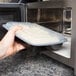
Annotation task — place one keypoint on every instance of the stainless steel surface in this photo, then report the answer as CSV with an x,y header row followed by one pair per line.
x,y
50,4
74,34
21,6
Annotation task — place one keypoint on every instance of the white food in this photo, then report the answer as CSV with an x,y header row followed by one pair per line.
x,y
36,34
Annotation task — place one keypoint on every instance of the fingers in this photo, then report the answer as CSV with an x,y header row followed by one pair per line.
x,y
13,49
13,29
19,46
8,39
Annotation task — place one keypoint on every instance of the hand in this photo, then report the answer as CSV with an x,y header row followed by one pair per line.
x,y
8,44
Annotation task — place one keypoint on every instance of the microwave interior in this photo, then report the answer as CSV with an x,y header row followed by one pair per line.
x,y
56,19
